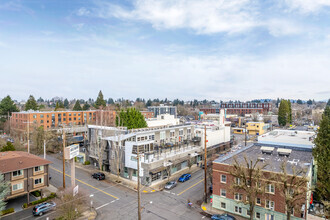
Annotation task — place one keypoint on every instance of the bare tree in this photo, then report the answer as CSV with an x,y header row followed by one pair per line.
x,y
293,187
71,207
248,175
39,135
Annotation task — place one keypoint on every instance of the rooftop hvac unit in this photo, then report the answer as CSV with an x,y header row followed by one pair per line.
x,y
267,150
283,151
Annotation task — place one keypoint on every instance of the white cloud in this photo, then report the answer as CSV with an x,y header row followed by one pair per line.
x,y
202,16
307,6
282,27
83,12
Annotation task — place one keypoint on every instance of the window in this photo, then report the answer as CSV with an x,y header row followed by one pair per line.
x,y
248,183
223,192
258,201
258,215
223,178
41,121
17,186
270,188
18,173
223,205
34,116
74,114
69,119
248,212
238,196
64,114
69,114
41,116
238,209
38,168
270,205
269,217
78,114
38,181
237,180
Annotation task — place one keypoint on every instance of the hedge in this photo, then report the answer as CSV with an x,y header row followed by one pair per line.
x,y
51,196
7,211
87,162
36,193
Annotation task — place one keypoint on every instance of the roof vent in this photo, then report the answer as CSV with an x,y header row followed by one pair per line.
x,y
267,150
261,159
284,152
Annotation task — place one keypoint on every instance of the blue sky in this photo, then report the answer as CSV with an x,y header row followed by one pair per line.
x,y
213,49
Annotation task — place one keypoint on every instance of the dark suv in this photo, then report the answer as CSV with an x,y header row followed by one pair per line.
x,y
98,176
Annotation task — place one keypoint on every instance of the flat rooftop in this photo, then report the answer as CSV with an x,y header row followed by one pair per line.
x,y
300,139
273,156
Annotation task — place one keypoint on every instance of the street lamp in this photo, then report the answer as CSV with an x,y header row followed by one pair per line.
x,y
91,196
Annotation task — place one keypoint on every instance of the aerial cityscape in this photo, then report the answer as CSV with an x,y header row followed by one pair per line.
x,y
145,109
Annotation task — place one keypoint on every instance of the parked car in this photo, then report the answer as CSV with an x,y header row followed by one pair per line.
x,y
184,177
211,189
43,208
223,217
170,185
98,176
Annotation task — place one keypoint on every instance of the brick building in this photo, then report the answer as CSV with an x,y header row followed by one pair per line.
x,y
271,204
25,172
52,119
239,108
147,114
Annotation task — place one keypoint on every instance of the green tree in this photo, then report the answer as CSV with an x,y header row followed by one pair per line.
x,y
110,101
77,106
131,118
289,112
86,106
4,190
309,102
328,103
321,153
66,103
283,113
100,101
7,105
31,104
299,102
8,147
149,103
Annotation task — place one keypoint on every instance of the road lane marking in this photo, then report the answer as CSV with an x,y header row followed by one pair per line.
x,y
103,205
190,187
87,184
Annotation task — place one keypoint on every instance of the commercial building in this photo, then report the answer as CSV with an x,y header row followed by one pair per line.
x,y
271,204
163,150
163,109
25,172
20,121
256,128
163,120
239,108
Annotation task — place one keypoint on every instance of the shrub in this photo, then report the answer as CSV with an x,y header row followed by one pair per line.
x,y
51,196
39,201
7,211
87,162
36,193
25,205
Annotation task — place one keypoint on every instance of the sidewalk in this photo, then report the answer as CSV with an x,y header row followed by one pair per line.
x,y
158,186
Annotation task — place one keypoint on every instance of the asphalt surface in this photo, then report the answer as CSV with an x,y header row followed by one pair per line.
x,y
113,201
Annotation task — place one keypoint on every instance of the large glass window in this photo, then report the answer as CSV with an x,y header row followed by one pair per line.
x,y
18,173
270,188
17,186
223,178
38,181
270,204
38,168
223,192
156,176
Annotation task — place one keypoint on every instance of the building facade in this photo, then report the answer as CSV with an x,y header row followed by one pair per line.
x,y
25,172
147,114
256,128
20,121
269,205
163,109
163,120
239,108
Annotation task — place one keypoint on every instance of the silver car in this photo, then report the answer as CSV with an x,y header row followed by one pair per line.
x,y
170,185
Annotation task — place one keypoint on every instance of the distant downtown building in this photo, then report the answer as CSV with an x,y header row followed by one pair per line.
x,y
163,109
25,172
19,121
147,114
239,108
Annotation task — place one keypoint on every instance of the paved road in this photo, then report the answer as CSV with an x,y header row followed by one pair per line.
x,y
113,201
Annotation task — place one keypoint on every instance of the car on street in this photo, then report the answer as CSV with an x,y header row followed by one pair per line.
x,y
170,185
184,177
43,208
223,217
98,176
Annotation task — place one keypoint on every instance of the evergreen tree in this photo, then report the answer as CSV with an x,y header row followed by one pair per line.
x,y
31,104
283,113
328,104
7,105
4,190
57,106
321,153
77,106
8,147
131,118
309,102
86,106
66,103
100,101
149,103
40,100
110,101
299,102
289,112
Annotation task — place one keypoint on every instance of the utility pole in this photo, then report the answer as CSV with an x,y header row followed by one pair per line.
x,y
63,137
28,134
44,149
245,133
138,186
205,166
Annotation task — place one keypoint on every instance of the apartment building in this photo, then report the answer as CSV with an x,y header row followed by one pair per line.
x,y
163,150
239,108
25,172
163,109
20,121
163,120
147,114
256,128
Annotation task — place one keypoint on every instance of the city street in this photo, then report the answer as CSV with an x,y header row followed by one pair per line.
x,y
113,201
